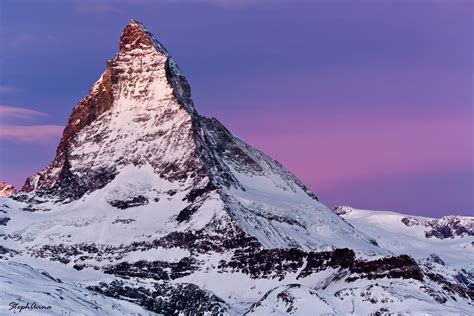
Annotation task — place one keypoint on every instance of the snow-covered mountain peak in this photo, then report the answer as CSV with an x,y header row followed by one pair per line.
x,y
6,189
136,142
139,111
140,45
136,35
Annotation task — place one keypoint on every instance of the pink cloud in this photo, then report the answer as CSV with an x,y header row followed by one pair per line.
x,y
20,113
26,133
31,133
24,38
6,89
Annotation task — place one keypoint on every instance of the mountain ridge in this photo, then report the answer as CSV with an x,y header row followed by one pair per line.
x,y
449,237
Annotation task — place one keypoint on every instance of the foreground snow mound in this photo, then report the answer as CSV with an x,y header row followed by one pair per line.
x,y
29,291
293,299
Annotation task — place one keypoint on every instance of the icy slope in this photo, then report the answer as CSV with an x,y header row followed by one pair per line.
x,y
417,236
92,219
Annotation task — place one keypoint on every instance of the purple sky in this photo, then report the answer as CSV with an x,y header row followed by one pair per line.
x,y
369,103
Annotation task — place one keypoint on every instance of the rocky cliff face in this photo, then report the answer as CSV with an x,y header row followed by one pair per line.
x,y
6,189
147,201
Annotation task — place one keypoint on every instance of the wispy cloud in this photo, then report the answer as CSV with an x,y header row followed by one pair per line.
x,y
19,113
231,3
30,133
24,38
6,89
11,131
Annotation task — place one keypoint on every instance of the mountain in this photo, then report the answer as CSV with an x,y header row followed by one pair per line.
x,y
136,140
148,202
6,189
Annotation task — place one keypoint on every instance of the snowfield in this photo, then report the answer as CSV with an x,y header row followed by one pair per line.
x,y
390,232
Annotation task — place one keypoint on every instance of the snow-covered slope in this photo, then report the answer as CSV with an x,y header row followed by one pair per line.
x,y
28,291
291,299
159,206
451,237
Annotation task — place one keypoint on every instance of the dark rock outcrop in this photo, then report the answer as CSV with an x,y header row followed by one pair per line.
x,y
6,189
450,226
167,299
402,267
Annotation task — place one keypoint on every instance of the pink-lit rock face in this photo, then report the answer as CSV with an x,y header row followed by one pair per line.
x,y
6,189
139,74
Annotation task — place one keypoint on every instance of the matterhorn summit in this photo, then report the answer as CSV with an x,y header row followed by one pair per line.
x,y
140,102
137,141
152,205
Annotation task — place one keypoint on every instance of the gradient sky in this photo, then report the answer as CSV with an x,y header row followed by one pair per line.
x,y
370,103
